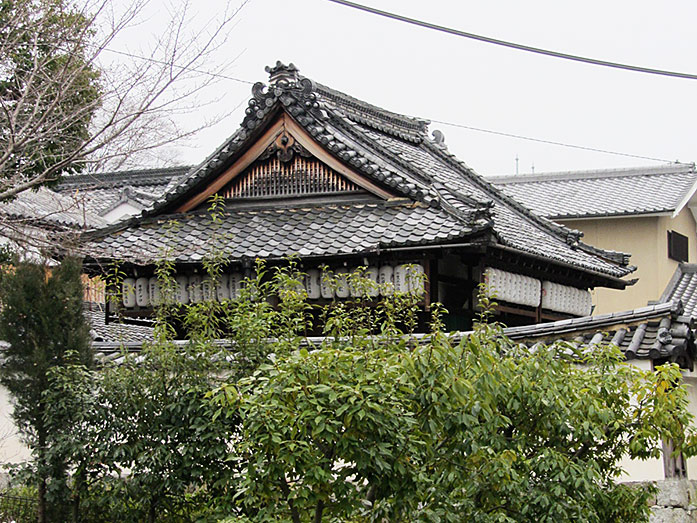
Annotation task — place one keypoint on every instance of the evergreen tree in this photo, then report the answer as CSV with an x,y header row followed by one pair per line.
x,y
43,322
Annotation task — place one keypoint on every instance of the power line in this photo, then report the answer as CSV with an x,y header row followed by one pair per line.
x,y
513,45
183,68
442,122
551,142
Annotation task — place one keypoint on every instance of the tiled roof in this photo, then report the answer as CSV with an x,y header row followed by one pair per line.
x,y
115,333
101,192
46,207
391,150
683,287
614,192
313,230
655,332
658,332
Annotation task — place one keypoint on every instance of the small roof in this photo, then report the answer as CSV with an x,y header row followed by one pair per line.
x,y
683,287
48,208
606,192
655,332
114,332
101,192
389,151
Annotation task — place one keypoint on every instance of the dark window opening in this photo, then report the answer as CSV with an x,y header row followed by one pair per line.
x,y
677,246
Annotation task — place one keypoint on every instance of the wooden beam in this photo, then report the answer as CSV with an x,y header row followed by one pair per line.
x,y
241,164
515,310
318,151
283,124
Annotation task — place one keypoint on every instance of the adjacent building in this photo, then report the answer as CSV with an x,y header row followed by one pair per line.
x,y
649,212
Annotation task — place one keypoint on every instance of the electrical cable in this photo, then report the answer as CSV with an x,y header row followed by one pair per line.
x,y
551,142
442,122
513,45
163,62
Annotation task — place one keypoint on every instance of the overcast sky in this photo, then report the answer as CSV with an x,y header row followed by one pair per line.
x,y
445,78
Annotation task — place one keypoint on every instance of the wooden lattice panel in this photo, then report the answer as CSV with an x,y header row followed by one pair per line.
x,y
297,177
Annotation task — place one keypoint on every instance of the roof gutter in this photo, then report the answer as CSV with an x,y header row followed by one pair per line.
x,y
442,246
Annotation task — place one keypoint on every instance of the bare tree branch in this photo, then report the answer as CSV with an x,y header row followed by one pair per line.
x,y
64,108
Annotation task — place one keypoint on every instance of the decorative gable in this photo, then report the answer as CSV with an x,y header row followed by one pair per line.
x,y
286,161
287,169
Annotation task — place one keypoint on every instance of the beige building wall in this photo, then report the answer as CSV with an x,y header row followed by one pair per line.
x,y
653,469
646,238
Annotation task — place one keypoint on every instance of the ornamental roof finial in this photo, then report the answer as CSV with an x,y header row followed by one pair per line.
x,y
283,74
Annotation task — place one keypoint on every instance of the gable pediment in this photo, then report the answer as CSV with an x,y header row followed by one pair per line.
x,y
287,169
285,162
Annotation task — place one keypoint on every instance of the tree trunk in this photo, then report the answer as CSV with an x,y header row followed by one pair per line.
x,y
41,502
151,511
318,511
78,485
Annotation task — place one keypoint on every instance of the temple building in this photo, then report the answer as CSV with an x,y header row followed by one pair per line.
x,y
342,184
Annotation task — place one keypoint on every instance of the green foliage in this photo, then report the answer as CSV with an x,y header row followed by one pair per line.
x,y
368,428
249,419
6,256
18,504
42,320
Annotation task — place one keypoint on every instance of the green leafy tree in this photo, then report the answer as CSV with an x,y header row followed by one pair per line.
x,y
158,450
373,428
370,423
42,321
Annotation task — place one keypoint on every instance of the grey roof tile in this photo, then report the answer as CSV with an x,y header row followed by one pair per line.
x,y
610,192
114,332
45,206
683,287
394,151
338,228
100,192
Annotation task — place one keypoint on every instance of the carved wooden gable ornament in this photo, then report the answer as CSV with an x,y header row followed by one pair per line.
x,y
286,162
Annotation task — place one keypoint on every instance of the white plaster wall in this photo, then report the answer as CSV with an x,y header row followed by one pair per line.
x,y
642,470
652,470
690,378
122,210
12,450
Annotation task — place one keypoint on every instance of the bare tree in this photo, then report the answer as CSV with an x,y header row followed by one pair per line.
x,y
64,107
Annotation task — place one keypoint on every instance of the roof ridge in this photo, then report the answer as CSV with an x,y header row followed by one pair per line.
x,y
110,177
424,177
414,127
672,168
639,314
570,236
